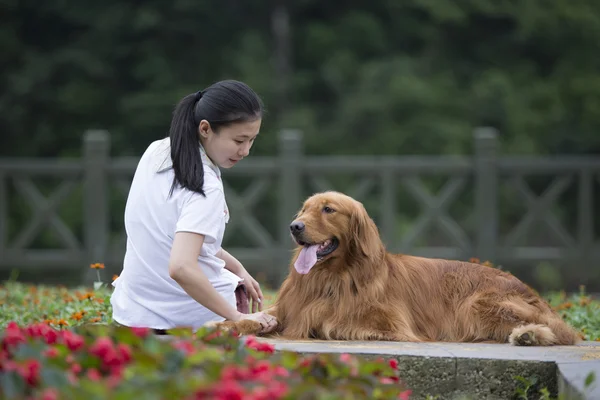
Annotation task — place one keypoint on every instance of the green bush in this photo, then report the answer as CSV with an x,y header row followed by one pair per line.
x,y
105,361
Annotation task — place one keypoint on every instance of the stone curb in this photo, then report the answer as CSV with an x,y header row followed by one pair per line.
x,y
477,371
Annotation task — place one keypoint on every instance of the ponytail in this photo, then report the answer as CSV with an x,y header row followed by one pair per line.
x,y
187,162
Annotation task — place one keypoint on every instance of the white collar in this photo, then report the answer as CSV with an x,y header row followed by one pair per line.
x,y
163,161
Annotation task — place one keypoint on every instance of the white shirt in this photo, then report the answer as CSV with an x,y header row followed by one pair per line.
x,y
145,294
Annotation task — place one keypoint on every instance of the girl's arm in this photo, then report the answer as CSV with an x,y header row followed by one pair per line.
x,y
183,268
231,263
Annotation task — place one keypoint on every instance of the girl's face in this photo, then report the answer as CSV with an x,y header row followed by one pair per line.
x,y
231,144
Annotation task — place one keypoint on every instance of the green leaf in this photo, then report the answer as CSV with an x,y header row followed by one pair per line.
x,y
181,332
53,377
590,378
12,384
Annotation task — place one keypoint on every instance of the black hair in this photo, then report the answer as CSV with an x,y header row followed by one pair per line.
x,y
223,103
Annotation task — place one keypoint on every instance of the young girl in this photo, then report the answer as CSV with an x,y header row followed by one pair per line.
x,y
175,272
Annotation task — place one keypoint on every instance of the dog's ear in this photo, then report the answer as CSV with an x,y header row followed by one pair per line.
x,y
363,234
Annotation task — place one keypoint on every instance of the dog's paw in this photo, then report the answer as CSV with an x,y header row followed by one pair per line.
x,y
532,335
223,326
247,327
243,327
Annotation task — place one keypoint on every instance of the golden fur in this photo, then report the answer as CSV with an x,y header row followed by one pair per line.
x,y
362,292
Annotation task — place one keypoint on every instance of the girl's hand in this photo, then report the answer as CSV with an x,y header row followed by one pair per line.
x,y
253,288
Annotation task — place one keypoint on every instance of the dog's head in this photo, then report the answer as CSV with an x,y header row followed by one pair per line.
x,y
332,226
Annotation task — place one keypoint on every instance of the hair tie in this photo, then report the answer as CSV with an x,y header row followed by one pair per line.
x,y
198,95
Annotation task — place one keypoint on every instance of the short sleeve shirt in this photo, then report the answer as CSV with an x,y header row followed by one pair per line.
x,y
152,218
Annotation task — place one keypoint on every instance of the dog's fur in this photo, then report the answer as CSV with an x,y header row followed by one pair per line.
x,y
362,292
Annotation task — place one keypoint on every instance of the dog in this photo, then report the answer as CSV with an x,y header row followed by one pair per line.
x,y
344,285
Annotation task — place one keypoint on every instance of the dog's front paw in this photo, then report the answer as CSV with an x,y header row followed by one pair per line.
x,y
243,327
223,326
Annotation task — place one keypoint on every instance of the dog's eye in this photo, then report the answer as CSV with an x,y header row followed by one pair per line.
x,y
328,210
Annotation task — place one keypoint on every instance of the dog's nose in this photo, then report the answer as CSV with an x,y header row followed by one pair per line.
x,y
297,227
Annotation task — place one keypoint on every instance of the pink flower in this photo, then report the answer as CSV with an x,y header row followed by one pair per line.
x,y
75,368
49,394
275,390
93,374
405,395
345,358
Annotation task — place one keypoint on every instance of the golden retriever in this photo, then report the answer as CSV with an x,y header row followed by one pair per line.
x,y
344,285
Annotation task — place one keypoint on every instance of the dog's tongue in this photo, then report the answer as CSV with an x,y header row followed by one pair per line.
x,y
306,259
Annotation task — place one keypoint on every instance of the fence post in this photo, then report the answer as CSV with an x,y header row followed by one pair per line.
x,y
290,186
96,153
486,192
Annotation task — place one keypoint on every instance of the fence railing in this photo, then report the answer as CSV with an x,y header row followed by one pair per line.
x,y
487,205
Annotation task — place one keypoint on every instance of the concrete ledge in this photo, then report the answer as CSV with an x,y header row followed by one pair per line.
x,y
475,371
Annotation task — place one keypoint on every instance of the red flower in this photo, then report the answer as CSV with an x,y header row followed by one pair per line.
x,y
73,341
50,335
51,352
13,336
281,371
229,390
101,346
252,343
112,359
141,332
185,346
34,330
124,352
116,375
277,390
234,373
393,363
30,372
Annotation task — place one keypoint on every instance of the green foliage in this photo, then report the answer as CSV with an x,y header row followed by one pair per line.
x,y
416,75
525,386
100,361
580,310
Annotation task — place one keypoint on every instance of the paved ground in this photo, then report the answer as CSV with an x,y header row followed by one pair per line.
x,y
477,371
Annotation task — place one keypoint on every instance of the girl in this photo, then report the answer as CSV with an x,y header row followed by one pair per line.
x,y
175,272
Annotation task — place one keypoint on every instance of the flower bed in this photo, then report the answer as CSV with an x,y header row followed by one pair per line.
x,y
38,361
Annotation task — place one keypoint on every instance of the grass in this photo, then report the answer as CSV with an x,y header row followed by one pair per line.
x,y
62,307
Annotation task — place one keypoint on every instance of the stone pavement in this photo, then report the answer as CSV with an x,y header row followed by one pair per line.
x,y
475,371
